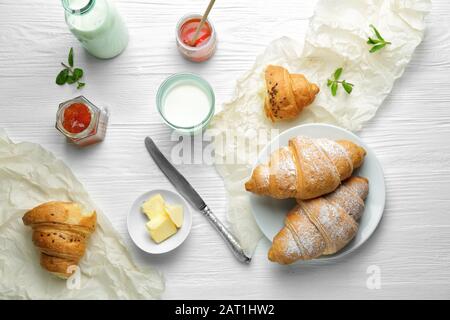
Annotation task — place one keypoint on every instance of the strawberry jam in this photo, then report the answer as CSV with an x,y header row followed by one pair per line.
x,y
188,30
204,45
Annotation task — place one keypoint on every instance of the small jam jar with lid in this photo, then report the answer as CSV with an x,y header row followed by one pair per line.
x,y
204,46
81,121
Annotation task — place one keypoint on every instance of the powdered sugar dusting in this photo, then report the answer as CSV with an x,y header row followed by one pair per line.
x,y
283,171
317,169
292,250
312,241
333,222
335,151
350,202
306,236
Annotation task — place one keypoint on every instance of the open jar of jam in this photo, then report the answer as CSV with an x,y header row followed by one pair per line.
x,y
204,46
81,121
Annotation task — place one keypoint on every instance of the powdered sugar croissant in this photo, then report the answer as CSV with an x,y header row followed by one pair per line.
x,y
60,232
307,168
321,226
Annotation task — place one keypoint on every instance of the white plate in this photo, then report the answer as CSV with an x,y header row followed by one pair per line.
x,y
270,213
137,219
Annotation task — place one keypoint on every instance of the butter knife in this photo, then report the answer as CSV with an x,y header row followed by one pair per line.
x,y
188,192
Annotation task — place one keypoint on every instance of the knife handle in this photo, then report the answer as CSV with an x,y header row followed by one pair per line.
x,y
229,238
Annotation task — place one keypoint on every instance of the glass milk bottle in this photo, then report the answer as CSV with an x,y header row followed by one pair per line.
x,y
97,25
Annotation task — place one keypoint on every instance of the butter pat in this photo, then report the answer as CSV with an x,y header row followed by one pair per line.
x,y
160,228
175,213
154,206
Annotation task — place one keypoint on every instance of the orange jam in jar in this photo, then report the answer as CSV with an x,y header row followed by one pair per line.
x,y
81,121
76,118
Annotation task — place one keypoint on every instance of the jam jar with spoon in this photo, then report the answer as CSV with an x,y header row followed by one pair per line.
x,y
205,43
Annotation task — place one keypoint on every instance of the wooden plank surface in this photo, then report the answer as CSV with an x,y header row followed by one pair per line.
x,y
410,134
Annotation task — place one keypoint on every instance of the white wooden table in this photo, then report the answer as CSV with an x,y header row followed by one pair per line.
x,y
410,134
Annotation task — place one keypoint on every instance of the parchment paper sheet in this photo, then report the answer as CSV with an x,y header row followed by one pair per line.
x,y
29,176
337,37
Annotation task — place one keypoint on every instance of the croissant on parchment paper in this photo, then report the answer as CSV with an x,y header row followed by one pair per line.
x,y
286,94
60,232
321,226
307,168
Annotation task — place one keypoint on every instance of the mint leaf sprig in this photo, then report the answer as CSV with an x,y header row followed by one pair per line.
x,y
378,43
334,82
70,74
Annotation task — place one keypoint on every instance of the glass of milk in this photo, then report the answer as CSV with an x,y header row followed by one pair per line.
x,y
97,25
186,102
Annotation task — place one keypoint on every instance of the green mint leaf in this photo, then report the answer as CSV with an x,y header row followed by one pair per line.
x,y
329,82
348,87
337,73
62,76
377,44
77,73
372,41
334,87
376,32
377,47
69,74
70,59
71,79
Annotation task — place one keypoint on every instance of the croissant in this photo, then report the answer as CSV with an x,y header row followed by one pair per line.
x,y
60,232
321,226
306,168
287,94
